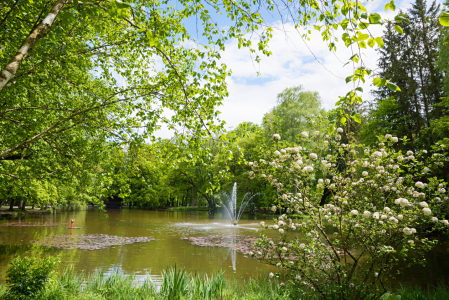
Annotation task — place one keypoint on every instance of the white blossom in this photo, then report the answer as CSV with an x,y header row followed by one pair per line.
x,y
339,129
271,275
426,211
273,208
304,134
366,214
395,139
354,212
393,219
316,133
377,154
276,137
423,204
407,231
445,222
388,136
308,169
281,231
313,156
276,153
419,184
275,227
434,219
400,217
365,173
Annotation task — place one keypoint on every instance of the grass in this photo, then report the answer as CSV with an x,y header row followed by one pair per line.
x,y
176,285
180,285
440,292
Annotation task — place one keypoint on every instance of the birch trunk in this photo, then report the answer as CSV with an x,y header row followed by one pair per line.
x,y
41,30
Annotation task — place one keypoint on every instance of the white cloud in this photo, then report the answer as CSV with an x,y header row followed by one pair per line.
x,y
251,96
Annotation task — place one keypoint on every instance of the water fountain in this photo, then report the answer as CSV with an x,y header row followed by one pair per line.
x,y
231,207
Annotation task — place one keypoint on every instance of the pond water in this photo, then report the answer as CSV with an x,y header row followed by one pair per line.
x,y
169,247
139,258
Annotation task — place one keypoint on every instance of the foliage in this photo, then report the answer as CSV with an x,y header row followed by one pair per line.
x,y
119,286
29,275
409,58
382,205
296,110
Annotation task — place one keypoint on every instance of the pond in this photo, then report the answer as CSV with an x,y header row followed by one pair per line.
x,y
169,246
169,229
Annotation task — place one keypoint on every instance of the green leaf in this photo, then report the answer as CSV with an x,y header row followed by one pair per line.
x,y
392,5
343,120
393,87
379,82
361,8
122,4
387,6
371,42
359,89
398,29
344,24
380,42
374,18
362,44
358,118
362,37
348,79
444,19
363,25
401,18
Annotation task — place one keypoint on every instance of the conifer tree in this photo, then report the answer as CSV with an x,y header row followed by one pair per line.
x,y
409,59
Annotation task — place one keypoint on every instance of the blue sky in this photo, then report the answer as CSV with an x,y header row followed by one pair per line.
x,y
251,96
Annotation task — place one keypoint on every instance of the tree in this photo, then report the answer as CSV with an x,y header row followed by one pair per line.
x,y
296,110
409,60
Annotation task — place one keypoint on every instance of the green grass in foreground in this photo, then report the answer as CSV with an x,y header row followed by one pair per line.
x,y
177,284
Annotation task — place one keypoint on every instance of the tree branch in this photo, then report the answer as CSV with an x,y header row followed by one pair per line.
x,y
36,34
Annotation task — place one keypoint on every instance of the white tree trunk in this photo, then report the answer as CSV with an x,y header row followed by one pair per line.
x,y
9,71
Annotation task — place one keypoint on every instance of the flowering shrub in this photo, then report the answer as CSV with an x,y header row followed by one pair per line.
x,y
377,206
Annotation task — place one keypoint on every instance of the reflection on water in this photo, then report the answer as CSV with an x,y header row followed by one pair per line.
x,y
140,258
169,249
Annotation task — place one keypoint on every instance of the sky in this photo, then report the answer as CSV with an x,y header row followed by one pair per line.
x,y
292,64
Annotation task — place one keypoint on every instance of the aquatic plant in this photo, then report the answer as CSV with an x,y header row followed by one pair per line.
x,y
89,241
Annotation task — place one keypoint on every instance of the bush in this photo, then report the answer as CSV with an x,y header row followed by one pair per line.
x,y
381,206
29,275
74,205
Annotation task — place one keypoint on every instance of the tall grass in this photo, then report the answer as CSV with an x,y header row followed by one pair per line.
x,y
176,285
180,285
